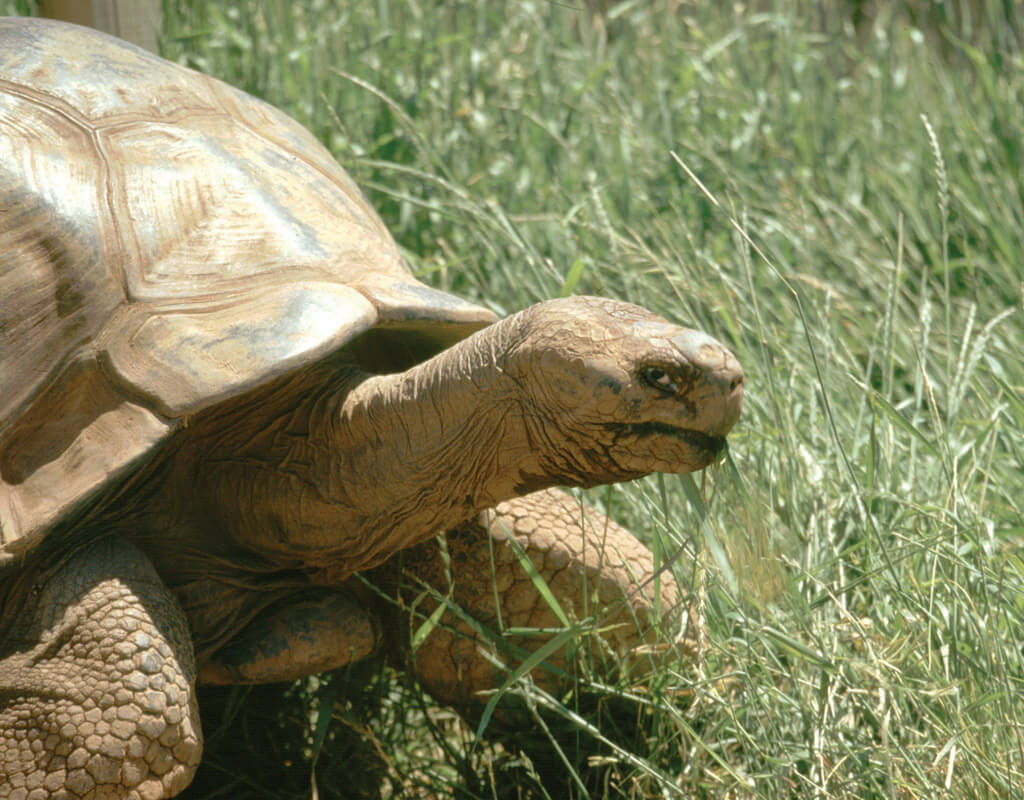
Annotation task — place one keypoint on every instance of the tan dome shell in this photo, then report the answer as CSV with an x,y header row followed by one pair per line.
x,y
166,242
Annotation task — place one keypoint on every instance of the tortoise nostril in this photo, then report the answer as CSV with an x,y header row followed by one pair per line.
x,y
736,382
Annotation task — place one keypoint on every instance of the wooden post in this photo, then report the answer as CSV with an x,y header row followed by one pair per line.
x,y
135,21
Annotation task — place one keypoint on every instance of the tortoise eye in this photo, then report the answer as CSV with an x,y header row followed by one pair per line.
x,y
659,379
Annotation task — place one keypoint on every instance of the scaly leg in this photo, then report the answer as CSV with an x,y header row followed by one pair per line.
x,y
593,567
96,681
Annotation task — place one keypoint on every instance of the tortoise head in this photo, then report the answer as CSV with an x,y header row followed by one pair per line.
x,y
621,392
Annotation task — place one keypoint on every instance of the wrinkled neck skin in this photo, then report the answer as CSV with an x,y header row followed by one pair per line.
x,y
363,466
418,452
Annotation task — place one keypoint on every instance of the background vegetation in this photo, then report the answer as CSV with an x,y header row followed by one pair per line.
x,y
836,190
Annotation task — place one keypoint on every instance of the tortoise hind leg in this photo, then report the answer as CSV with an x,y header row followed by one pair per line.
x,y
316,630
592,566
96,681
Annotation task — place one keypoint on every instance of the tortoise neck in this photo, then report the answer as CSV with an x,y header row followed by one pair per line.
x,y
423,450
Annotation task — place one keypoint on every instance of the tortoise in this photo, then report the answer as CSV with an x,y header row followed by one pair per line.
x,y
224,396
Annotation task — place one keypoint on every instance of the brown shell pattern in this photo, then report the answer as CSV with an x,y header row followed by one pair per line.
x,y
166,242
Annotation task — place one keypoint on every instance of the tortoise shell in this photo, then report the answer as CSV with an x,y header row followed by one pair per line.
x,y
166,243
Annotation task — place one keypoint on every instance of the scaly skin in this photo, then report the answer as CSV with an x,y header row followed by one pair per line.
x,y
593,567
97,683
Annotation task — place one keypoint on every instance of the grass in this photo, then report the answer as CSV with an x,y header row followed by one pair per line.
x,y
860,244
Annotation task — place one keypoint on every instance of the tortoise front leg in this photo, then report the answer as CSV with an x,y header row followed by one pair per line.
x,y
593,567
96,681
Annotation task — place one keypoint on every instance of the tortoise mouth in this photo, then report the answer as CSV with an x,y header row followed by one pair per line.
x,y
704,443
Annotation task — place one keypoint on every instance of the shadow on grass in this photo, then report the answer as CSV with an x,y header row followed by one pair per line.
x,y
386,738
